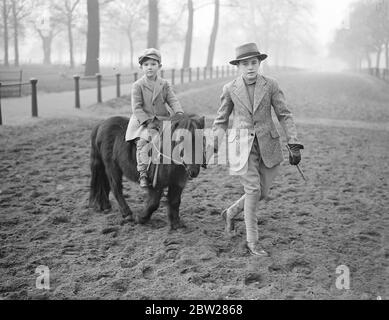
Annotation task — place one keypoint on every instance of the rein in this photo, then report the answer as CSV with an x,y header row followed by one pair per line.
x,y
182,163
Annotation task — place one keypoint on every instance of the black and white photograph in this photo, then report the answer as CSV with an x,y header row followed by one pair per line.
x,y
212,151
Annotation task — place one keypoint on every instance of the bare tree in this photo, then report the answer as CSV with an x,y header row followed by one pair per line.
x,y
93,39
66,11
6,9
130,20
45,23
20,10
189,36
153,36
215,28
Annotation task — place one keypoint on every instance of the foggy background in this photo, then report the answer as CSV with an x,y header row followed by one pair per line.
x,y
320,35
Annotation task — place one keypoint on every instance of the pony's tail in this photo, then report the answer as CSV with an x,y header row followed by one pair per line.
x,y
99,186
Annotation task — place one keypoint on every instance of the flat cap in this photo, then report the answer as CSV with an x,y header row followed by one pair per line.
x,y
150,53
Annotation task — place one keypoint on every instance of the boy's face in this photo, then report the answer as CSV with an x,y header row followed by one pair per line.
x,y
150,68
249,68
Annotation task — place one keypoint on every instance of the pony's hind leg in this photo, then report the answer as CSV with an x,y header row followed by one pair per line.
x,y
116,182
99,186
174,202
152,205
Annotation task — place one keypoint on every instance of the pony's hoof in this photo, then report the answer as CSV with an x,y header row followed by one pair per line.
x,y
141,220
177,225
127,214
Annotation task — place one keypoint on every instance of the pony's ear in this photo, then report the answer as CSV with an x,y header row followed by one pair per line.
x,y
200,121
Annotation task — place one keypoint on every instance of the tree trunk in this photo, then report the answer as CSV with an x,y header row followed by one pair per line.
x,y
131,41
47,49
189,36
16,33
212,43
70,37
5,22
378,61
93,39
152,38
368,59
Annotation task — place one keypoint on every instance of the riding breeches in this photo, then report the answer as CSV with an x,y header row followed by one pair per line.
x,y
142,155
256,182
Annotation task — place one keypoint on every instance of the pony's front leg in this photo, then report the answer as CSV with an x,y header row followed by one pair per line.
x,y
152,205
174,202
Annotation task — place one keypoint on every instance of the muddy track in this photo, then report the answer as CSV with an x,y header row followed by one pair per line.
x,y
338,218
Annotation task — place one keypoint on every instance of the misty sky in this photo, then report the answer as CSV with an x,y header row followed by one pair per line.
x,y
329,15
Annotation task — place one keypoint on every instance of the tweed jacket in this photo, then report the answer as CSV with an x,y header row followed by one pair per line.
x,y
150,104
257,119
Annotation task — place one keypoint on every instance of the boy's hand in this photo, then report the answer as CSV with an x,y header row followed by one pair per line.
x,y
152,124
295,154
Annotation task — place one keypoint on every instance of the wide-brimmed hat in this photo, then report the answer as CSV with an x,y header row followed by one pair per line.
x,y
150,53
247,51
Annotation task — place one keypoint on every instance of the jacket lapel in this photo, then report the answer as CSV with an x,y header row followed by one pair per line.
x,y
157,88
241,92
146,84
259,93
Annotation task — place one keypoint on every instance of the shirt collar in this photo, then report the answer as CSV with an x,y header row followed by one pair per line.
x,y
250,82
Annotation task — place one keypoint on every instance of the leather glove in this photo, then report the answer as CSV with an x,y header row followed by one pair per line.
x,y
295,154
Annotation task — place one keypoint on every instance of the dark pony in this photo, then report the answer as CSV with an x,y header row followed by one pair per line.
x,y
112,157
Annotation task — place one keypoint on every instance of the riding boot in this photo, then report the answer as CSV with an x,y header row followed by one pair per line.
x,y
251,220
143,178
250,217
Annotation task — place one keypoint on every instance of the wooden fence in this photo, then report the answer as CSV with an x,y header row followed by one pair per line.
x,y
175,76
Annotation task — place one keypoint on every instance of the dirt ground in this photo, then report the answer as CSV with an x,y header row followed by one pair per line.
x,y
339,217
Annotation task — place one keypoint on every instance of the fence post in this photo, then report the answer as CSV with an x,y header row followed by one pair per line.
x,y
190,74
34,98
198,73
77,91
99,97
20,82
222,71
182,75
211,72
217,72
1,118
135,76
173,76
118,93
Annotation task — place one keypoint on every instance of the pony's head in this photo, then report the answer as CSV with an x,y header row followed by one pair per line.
x,y
188,142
